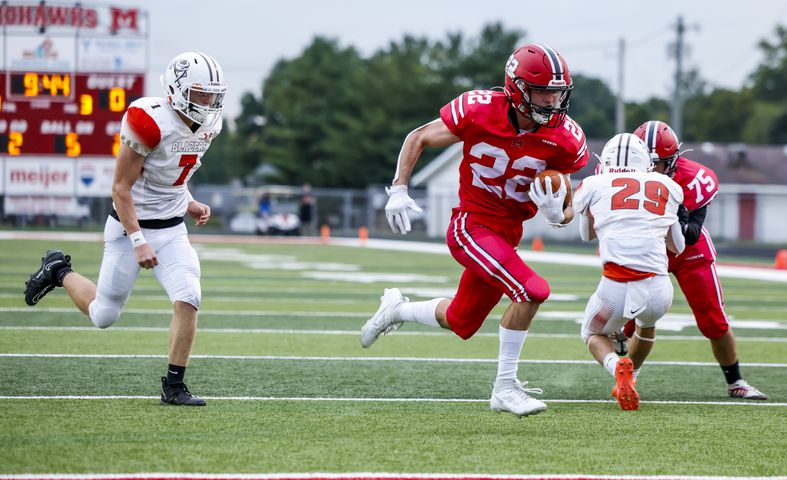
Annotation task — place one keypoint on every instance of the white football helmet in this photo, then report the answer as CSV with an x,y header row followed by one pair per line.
x,y
194,85
625,152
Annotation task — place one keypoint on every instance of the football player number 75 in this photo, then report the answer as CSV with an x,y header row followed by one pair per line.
x,y
187,162
656,195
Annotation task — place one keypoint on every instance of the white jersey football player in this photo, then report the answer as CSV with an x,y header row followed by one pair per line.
x,y
633,212
163,140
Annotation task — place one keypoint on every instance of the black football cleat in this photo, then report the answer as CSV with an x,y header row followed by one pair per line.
x,y
45,279
178,394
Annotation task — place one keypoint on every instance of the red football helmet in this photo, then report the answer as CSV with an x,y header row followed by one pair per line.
x,y
662,142
536,66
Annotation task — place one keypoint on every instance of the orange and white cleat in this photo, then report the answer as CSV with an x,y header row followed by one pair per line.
x,y
624,390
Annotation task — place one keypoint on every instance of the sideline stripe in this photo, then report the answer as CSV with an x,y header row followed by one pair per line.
x,y
380,400
290,331
752,272
358,476
218,313
546,316
369,359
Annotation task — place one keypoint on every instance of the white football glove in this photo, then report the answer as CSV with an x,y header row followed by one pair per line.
x,y
550,204
399,202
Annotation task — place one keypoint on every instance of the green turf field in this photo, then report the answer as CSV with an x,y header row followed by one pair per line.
x,y
290,389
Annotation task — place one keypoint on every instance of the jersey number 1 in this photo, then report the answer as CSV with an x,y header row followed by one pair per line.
x,y
187,162
656,195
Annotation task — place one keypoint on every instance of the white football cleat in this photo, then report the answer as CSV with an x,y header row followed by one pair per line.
x,y
386,319
741,389
514,398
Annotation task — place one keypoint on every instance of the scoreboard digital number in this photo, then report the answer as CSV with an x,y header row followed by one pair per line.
x,y
33,85
61,113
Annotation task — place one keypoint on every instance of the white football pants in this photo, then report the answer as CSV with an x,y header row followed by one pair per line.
x,y
178,270
615,303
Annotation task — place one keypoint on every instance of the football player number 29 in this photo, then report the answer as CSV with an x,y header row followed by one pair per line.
x,y
187,162
656,195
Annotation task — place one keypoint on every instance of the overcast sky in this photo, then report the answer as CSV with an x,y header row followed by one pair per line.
x,y
248,37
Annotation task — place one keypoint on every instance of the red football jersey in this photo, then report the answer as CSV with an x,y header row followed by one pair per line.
x,y
499,163
700,186
699,183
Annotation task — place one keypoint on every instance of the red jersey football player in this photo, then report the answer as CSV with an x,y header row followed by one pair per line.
x,y
695,268
509,137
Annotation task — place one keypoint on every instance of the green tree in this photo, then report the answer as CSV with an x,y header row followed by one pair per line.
x,y
302,99
592,105
219,164
770,78
651,109
332,118
717,117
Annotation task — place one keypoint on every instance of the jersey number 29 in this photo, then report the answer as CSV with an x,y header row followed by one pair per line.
x,y
656,195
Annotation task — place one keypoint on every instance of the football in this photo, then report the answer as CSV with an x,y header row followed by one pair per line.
x,y
554,177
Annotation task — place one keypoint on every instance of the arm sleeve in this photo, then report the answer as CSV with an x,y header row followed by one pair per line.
x,y
693,229
584,228
677,237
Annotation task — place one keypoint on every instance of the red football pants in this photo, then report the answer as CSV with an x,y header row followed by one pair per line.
x,y
700,284
492,268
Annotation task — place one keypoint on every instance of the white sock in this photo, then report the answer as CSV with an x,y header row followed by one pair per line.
x,y
511,343
421,312
610,362
636,372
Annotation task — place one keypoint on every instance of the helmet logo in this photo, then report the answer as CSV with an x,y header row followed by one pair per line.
x,y
181,69
511,66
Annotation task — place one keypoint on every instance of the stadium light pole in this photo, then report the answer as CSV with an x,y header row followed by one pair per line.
x,y
676,113
620,104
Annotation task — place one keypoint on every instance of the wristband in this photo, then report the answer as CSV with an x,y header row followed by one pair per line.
x,y
137,238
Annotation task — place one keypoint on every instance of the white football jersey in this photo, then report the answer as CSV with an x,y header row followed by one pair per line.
x,y
632,215
152,128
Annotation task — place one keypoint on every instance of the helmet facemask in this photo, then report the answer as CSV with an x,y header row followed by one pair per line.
x,y
546,115
670,163
204,103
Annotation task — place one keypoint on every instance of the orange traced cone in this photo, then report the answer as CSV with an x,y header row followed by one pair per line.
x,y
325,233
538,245
781,260
363,235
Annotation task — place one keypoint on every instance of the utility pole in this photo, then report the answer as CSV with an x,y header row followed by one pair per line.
x,y
620,104
676,115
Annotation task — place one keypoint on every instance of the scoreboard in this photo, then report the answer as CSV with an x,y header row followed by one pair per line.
x,y
69,72
63,113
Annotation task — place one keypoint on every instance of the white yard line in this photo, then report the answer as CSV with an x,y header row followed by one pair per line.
x,y
382,400
219,313
354,333
367,359
671,321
